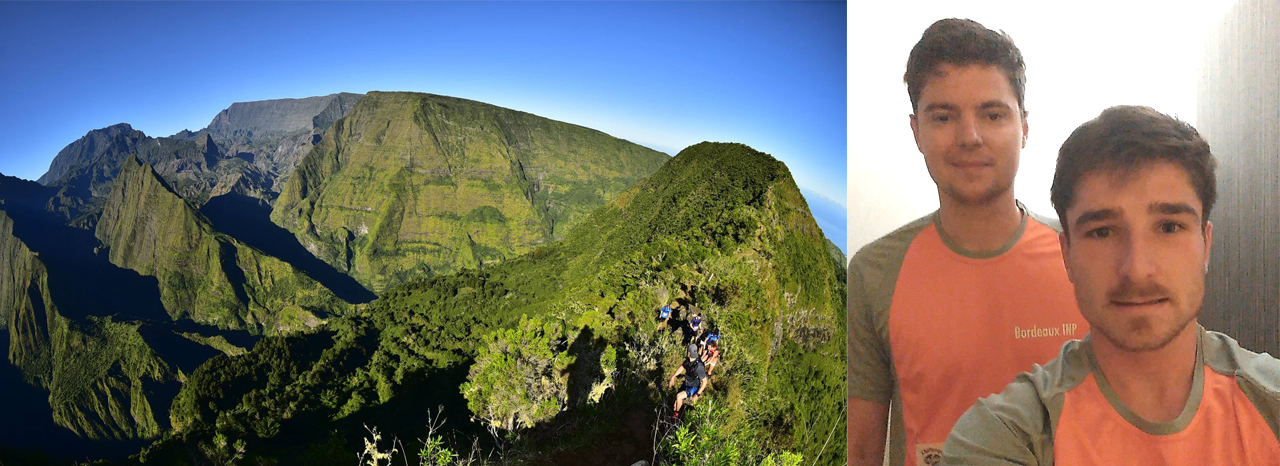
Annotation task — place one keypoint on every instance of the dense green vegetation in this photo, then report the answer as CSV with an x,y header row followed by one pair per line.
x,y
519,263
702,439
411,185
104,380
567,335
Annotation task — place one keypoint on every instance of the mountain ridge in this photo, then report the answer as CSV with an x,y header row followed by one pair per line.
x,y
103,381
280,115
581,233
420,184
720,228
203,275
259,142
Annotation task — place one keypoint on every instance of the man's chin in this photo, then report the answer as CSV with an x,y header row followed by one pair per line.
x,y
977,196
1141,336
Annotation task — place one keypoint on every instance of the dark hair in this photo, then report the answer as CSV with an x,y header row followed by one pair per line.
x,y
964,42
1126,138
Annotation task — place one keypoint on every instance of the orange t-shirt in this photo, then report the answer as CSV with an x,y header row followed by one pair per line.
x,y
1231,416
954,327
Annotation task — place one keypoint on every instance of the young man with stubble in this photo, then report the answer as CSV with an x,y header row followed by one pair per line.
x,y
1148,385
950,307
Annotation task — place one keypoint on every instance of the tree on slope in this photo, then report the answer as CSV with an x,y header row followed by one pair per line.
x,y
518,378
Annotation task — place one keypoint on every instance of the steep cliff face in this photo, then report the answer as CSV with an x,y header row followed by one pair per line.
x,y
411,185
119,138
25,303
103,378
259,142
273,135
244,119
193,166
203,275
339,106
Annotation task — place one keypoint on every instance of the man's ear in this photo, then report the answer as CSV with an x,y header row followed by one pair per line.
x,y
1208,243
1025,129
915,131
1064,244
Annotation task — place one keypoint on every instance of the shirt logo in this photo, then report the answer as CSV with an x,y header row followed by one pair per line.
x,y
928,454
1067,329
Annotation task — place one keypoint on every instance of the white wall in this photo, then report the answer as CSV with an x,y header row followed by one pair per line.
x,y
1081,57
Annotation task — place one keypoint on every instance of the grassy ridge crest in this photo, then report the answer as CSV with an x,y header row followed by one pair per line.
x,y
721,228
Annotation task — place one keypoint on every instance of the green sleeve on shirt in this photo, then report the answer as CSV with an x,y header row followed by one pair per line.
x,y
1258,375
869,373
1016,426
1012,428
982,437
873,273
1046,221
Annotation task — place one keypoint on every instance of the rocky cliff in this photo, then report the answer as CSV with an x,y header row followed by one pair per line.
x,y
254,144
245,119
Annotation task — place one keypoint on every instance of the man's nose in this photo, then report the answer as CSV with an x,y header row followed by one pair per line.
x,y
1137,258
969,135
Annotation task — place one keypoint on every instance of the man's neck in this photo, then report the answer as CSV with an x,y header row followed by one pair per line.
x,y
980,227
1154,384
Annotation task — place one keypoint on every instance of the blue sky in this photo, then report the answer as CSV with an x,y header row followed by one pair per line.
x,y
667,75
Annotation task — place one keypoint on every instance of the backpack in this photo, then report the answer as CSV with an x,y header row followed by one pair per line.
x,y
665,312
691,375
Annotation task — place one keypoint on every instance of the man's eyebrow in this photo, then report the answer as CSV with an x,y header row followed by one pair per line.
x,y
990,104
938,106
1163,208
1097,216
1173,208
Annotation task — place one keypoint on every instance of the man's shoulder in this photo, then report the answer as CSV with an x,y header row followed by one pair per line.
x,y
1017,423
1051,222
1225,355
1040,237
892,244
1043,386
1258,374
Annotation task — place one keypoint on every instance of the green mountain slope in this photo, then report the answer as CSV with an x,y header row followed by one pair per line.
x,y
720,228
104,380
411,185
94,338
203,275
